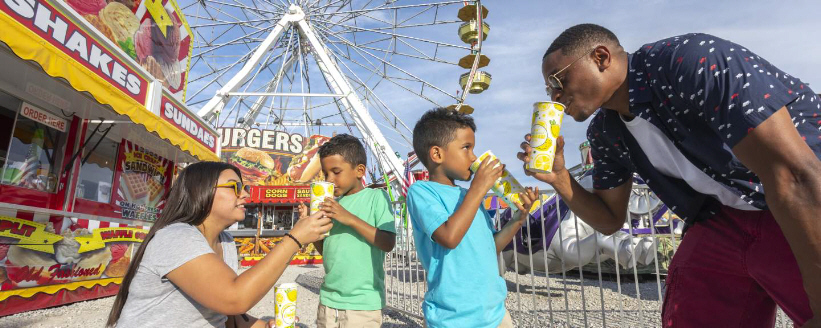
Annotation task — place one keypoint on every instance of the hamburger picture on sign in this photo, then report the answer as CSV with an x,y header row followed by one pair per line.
x,y
272,158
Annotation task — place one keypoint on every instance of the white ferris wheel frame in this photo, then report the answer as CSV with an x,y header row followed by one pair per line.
x,y
339,84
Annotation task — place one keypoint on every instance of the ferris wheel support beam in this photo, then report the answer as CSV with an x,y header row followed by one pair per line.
x,y
354,106
340,85
251,116
214,106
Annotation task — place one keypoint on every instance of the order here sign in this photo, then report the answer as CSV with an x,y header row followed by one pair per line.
x,y
44,117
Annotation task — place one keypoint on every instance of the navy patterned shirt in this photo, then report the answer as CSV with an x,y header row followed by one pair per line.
x,y
705,95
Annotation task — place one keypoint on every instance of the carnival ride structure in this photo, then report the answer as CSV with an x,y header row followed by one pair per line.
x,y
337,65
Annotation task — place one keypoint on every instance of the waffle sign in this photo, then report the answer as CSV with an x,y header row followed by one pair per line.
x,y
143,178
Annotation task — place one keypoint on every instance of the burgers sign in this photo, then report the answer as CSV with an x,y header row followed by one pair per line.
x,y
272,158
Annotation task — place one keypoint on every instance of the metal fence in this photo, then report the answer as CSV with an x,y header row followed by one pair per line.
x,y
562,273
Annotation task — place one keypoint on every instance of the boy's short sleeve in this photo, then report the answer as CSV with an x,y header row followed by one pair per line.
x,y
383,212
426,209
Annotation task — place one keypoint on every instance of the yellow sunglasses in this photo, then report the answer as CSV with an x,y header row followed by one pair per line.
x,y
238,186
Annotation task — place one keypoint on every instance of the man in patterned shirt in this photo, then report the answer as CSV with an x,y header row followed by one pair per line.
x,y
709,126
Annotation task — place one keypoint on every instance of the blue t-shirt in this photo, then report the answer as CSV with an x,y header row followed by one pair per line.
x,y
464,286
704,94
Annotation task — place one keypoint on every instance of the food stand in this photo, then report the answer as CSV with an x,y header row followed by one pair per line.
x,y
92,132
280,167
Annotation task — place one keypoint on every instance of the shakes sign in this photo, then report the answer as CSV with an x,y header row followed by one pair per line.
x,y
56,28
272,158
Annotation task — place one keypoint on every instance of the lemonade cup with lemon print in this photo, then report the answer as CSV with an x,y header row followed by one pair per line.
x,y
545,128
506,187
285,305
319,191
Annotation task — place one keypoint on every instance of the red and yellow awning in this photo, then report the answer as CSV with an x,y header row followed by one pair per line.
x,y
65,46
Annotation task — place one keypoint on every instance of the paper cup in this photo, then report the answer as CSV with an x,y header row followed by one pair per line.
x,y
544,129
285,305
319,191
506,187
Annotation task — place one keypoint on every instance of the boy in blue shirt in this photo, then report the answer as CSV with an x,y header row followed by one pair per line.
x,y
454,235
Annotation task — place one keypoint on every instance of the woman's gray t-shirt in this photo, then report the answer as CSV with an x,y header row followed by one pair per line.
x,y
155,301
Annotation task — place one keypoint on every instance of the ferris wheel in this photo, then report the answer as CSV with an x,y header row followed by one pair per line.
x,y
335,65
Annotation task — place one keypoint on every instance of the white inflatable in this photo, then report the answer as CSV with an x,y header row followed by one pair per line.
x,y
576,244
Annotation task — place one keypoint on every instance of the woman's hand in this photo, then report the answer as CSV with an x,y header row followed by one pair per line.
x,y
311,228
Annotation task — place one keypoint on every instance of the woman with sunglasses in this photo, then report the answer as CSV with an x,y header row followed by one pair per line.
x,y
185,272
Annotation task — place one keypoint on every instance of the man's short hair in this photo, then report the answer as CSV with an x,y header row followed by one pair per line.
x,y
438,127
347,146
582,37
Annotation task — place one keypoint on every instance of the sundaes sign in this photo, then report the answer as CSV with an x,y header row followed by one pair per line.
x,y
172,112
43,18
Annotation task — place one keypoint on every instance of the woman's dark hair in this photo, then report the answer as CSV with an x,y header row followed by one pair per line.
x,y
189,201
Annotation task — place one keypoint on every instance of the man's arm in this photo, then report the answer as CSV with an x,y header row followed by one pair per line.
x,y
789,171
604,210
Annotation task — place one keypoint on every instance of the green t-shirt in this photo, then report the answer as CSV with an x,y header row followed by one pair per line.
x,y
354,273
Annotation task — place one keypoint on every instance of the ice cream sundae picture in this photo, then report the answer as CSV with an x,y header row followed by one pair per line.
x,y
163,49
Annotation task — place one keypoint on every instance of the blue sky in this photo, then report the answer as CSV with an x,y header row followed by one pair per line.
x,y
786,33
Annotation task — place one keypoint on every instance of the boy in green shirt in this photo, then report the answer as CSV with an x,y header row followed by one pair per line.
x,y
353,292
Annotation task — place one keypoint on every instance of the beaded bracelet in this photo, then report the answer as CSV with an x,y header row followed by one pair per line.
x,y
294,238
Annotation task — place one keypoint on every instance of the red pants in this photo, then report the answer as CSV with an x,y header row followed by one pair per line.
x,y
731,271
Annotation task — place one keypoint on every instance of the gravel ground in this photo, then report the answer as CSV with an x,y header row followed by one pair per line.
x,y
94,313
571,301
556,307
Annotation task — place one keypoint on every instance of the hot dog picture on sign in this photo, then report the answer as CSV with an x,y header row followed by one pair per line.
x,y
273,158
